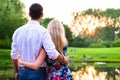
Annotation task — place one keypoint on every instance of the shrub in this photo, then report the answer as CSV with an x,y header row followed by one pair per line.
x,y
107,43
116,43
96,45
5,44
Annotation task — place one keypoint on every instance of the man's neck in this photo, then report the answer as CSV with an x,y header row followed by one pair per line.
x,y
38,20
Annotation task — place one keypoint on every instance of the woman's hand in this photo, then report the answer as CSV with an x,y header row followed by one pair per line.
x,y
36,64
20,61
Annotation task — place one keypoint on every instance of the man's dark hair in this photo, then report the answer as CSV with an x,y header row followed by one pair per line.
x,y
35,11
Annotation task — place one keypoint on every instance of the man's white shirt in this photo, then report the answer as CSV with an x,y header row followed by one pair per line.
x,y
29,39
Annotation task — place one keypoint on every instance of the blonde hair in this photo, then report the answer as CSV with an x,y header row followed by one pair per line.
x,y
57,33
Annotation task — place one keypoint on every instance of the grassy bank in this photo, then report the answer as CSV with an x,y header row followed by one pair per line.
x,y
79,54
96,54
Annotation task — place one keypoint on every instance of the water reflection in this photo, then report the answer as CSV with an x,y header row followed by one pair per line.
x,y
100,71
79,71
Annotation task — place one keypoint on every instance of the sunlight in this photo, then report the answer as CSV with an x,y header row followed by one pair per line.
x,y
89,73
86,24
62,9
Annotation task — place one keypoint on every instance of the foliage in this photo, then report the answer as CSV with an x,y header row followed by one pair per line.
x,y
78,42
68,35
96,45
116,43
107,43
11,17
95,12
88,41
107,33
44,22
5,44
114,13
100,25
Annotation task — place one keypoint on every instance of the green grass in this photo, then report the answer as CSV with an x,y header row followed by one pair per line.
x,y
5,56
6,67
97,54
109,55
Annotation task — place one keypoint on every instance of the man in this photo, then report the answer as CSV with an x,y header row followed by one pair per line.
x,y
28,40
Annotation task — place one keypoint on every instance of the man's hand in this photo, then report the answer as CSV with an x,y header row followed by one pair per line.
x,y
63,59
16,76
15,63
66,60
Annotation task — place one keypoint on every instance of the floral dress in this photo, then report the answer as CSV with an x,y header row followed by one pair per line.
x,y
58,71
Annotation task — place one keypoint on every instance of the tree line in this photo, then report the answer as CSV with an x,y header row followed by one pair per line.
x,y
97,28
89,28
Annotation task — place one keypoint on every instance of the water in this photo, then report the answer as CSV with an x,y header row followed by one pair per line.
x,y
7,71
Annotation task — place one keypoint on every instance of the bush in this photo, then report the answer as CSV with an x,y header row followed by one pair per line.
x,y
116,43
107,43
5,44
96,45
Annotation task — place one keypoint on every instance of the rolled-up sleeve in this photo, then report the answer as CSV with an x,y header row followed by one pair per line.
x,y
14,51
49,46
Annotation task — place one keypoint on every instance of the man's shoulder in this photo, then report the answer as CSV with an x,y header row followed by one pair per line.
x,y
16,32
41,28
19,28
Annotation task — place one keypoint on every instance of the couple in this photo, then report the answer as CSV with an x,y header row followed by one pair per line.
x,y
34,48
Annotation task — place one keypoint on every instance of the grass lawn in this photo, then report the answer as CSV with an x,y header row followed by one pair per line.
x,y
95,54
79,55
6,67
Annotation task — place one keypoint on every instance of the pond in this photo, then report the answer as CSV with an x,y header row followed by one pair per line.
x,y
92,73
80,71
96,71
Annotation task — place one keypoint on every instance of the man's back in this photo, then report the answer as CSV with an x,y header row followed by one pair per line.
x,y
28,40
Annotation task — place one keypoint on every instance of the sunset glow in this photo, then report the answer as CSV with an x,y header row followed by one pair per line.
x,y
62,9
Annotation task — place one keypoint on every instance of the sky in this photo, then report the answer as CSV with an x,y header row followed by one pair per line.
x,y
62,9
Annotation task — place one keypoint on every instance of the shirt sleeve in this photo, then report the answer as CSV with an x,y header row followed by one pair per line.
x,y
14,51
49,46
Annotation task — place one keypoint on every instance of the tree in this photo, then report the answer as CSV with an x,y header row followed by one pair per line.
x,y
11,17
78,42
114,15
107,33
44,22
96,22
68,34
85,22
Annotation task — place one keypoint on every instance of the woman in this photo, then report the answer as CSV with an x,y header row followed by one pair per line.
x,y
55,70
